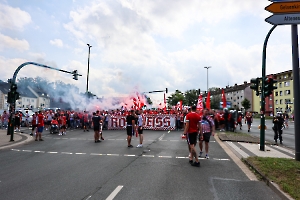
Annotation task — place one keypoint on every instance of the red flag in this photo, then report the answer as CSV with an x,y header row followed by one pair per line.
x,y
208,100
165,106
200,103
223,98
180,105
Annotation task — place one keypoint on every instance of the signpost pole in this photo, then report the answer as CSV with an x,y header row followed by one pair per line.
x,y
295,59
262,111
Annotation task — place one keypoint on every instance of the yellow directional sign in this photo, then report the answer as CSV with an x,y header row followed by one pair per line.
x,y
284,7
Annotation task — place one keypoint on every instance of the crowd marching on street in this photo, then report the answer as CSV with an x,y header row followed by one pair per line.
x,y
196,126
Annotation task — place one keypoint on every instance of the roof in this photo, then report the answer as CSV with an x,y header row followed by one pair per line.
x,y
4,87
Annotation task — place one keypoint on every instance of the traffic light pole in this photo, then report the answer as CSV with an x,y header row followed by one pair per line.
x,y
295,59
12,101
262,108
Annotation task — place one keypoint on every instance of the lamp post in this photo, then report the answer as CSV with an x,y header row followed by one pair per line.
x,y
88,69
207,76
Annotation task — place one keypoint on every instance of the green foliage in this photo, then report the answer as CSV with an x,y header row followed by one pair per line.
x,y
174,98
246,104
283,171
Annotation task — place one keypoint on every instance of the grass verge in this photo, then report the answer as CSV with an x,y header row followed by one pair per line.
x,y
284,172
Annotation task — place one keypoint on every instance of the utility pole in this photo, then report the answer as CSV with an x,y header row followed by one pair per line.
x,y
88,69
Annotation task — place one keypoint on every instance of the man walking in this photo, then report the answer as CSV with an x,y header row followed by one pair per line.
x,y
96,124
40,127
141,124
130,119
191,131
206,129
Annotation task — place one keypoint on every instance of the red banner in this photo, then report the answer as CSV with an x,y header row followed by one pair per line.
x,y
200,103
208,101
152,122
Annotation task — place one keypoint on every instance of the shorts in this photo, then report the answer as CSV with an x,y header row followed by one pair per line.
x,y
249,122
129,131
48,122
63,127
206,137
17,123
97,128
191,138
221,122
140,130
40,129
33,126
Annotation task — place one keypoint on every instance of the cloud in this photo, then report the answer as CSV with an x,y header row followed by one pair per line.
x,y
8,42
13,18
57,42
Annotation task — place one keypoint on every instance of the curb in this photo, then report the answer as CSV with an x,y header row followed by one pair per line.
x,y
15,143
269,183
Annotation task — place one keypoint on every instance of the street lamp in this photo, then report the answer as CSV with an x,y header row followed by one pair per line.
x,y
88,69
207,76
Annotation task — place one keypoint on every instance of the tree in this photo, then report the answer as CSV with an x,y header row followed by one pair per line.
x,y
191,97
215,99
246,104
174,98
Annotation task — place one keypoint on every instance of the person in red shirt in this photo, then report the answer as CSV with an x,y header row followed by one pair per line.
x,y
191,130
63,120
40,126
239,121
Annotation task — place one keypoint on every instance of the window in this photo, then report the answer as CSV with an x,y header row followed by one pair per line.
x,y
286,84
32,100
28,100
276,93
287,92
280,93
280,101
276,102
280,85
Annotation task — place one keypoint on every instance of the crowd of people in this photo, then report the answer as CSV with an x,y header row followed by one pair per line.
x,y
195,126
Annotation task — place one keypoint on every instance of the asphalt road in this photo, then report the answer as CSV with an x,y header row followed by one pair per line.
x,y
74,167
288,134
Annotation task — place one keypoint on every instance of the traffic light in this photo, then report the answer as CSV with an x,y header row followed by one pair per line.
x,y
75,75
13,94
166,90
255,85
269,86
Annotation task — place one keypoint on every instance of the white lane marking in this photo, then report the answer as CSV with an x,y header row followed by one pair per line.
x,y
163,140
150,156
52,152
15,149
39,151
181,157
110,139
220,159
174,140
27,150
97,154
165,156
241,152
112,154
66,153
161,137
129,155
80,153
114,193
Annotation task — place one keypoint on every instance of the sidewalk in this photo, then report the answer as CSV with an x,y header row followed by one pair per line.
x,y
19,138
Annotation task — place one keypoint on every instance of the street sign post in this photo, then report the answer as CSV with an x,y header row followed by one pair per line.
x,y
286,12
284,19
284,7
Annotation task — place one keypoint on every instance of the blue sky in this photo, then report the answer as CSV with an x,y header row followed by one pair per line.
x,y
146,45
